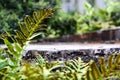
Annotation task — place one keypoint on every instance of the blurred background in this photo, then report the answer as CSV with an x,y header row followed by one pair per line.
x,y
73,17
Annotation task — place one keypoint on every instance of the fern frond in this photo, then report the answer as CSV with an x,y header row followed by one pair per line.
x,y
117,61
103,66
1,50
2,36
110,62
32,25
23,29
28,31
105,69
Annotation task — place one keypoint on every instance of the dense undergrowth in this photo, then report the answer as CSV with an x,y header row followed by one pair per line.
x,y
12,67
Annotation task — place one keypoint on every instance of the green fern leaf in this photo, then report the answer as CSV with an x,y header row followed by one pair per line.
x,y
110,62
23,29
17,47
106,69
35,35
20,35
28,26
95,70
3,64
117,60
35,17
103,66
9,45
1,50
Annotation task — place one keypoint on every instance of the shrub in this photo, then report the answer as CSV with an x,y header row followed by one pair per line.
x,y
96,19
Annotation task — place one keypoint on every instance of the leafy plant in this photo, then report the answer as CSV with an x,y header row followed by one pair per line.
x,y
41,70
100,18
62,24
20,40
106,70
12,11
78,70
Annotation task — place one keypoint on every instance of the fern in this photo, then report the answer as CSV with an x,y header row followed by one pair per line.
x,y
29,30
111,68
78,70
42,70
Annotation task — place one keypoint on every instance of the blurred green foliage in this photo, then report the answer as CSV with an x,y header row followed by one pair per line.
x,y
12,11
100,18
62,24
